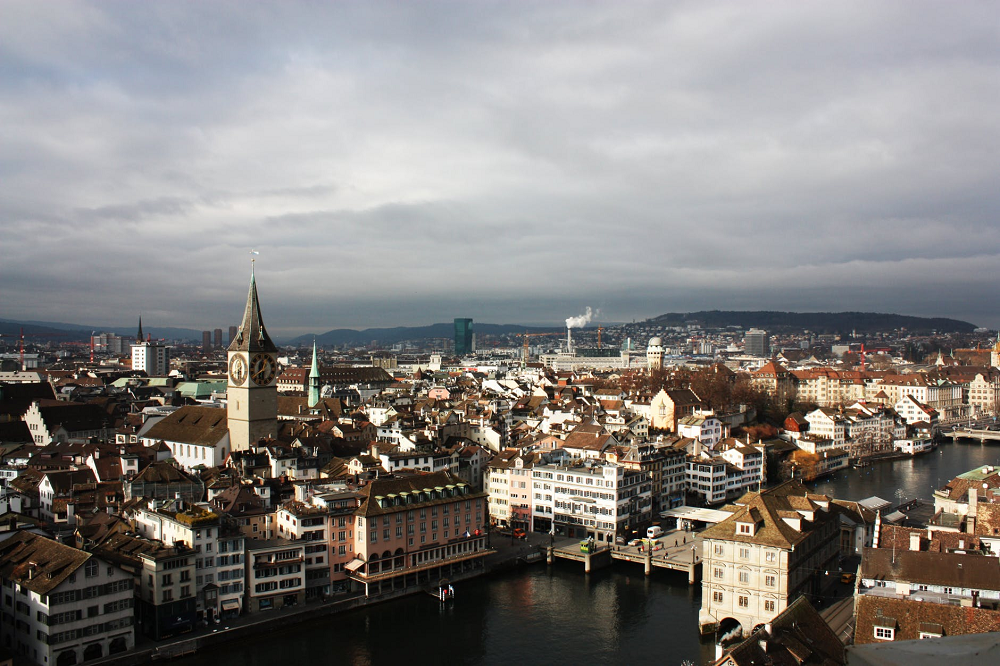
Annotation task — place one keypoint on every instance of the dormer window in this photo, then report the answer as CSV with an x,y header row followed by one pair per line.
x,y
885,633
746,529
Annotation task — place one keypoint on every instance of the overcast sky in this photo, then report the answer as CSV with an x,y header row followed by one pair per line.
x,y
410,162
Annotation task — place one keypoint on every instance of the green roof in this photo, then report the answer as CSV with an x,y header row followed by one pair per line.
x,y
202,389
979,473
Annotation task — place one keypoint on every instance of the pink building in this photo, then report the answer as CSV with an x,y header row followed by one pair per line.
x,y
326,524
413,531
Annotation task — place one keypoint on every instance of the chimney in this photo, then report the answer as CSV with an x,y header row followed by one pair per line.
x,y
914,540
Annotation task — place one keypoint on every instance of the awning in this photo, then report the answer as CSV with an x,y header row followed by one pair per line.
x,y
354,565
230,604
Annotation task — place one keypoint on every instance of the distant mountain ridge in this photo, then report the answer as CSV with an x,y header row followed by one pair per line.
x,y
818,322
348,336
47,331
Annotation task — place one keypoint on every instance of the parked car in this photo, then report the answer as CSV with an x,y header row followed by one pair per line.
x,y
847,578
519,533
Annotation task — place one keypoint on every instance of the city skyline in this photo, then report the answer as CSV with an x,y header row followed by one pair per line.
x,y
409,164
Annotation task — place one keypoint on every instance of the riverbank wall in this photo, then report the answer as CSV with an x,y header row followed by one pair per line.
x,y
270,621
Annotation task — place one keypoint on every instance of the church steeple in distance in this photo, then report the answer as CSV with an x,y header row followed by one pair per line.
x,y
138,338
314,379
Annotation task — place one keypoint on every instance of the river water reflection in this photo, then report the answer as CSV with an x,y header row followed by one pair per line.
x,y
559,615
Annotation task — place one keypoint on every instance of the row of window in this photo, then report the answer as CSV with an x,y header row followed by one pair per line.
x,y
744,552
168,595
92,630
769,581
743,601
89,592
270,586
279,571
410,515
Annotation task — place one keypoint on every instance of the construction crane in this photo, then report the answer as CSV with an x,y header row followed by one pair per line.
x,y
24,335
527,340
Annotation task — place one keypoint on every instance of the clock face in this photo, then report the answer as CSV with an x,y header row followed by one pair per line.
x,y
237,370
262,369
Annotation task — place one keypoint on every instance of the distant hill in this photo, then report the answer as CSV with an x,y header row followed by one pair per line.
x,y
49,331
383,336
818,322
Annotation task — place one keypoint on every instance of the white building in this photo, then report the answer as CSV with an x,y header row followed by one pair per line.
x,y
197,436
61,422
274,574
310,523
706,429
914,411
590,498
829,424
62,605
733,469
151,358
218,552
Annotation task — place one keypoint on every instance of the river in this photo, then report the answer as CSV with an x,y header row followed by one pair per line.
x,y
559,615
902,480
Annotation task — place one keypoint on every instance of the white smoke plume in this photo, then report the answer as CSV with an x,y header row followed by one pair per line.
x,y
581,321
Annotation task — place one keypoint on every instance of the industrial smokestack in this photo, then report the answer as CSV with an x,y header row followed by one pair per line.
x,y
569,339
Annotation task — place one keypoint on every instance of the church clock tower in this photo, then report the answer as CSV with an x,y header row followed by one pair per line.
x,y
252,392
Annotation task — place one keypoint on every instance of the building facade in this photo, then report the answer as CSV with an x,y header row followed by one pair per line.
x,y
62,605
769,552
415,530
590,498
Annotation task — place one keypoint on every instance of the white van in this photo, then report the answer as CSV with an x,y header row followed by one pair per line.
x,y
654,532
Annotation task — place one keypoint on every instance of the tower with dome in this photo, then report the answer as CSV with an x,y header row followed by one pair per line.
x,y
654,354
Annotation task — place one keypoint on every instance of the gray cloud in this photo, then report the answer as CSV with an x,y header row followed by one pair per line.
x,y
408,163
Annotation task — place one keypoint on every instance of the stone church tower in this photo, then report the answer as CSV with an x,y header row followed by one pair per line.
x,y
253,373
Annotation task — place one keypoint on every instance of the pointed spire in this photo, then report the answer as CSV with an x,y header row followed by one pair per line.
x,y
138,338
314,379
252,336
